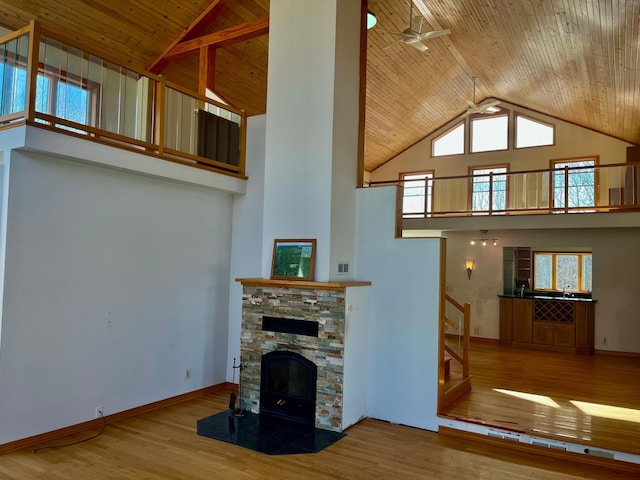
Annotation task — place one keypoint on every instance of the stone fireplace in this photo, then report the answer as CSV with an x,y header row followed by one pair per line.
x,y
297,336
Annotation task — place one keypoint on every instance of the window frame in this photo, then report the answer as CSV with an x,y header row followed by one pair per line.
x,y
554,281
503,112
531,119
55,79
428,197
596,182
465,140
470,190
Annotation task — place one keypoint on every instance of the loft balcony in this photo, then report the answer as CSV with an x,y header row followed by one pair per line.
x,y
595,196
51,85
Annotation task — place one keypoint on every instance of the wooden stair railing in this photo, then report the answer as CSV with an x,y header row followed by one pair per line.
x,y
450,391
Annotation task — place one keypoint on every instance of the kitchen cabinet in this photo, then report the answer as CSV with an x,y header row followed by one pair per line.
x,y
564,324
522,318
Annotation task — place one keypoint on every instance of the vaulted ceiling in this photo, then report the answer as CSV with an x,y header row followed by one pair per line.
x,y
577,60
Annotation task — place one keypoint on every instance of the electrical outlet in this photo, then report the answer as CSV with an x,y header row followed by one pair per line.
x,y
476,331
99,411
187,374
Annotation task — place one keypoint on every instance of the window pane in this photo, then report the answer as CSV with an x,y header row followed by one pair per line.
x,y
543,272
72,103
417,196
581,184
451,143
489,134
486,186
586,273
530,133
567,272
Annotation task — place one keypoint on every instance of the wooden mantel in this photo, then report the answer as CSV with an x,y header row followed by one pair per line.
x,y
265,282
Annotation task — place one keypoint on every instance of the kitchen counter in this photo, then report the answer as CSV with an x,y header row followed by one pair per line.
x,y
534,296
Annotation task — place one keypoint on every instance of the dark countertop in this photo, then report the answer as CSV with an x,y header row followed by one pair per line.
x,y
549,297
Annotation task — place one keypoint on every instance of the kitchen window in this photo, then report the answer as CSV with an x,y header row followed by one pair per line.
x,y
562,272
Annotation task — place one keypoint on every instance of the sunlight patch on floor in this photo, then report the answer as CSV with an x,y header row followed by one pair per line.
x,y
608,411
531,397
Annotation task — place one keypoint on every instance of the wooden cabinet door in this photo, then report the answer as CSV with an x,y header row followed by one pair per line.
x,y
506,319
585,326
564,335
543,333
522,319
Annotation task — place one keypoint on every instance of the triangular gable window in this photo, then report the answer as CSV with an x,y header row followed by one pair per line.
x,y
531,133
450,143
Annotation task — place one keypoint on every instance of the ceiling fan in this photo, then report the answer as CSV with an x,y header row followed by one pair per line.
x,y
486,109
413,35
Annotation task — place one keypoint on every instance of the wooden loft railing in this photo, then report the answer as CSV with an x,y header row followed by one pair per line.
x,y
593,189
49,84
454,381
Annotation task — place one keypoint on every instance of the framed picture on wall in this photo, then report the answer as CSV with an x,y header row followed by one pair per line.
x,y
293,259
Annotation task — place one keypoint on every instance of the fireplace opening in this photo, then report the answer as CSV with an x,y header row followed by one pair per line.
x,y
288,386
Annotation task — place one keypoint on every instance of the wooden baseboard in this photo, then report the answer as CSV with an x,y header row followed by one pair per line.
x,y
547,452
49,437
618,354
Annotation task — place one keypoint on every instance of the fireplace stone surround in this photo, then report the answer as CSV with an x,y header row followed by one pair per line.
x,y
339,350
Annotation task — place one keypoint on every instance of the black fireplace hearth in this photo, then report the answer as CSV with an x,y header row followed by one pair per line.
x,y
267,434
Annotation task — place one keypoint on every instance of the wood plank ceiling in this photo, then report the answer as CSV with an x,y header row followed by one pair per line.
x,y
577,60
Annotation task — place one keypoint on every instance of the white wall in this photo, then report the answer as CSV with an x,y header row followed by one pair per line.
x,y
356,355
403,346
115,284
616,285
246,250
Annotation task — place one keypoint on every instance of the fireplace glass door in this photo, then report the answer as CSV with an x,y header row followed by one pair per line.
x,y
288,386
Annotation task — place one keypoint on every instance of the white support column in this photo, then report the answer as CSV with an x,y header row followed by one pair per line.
x,y
312,129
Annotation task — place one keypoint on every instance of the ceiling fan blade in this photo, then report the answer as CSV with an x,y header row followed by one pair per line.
x,y
471,104
490,104
419,45
416,23
434,34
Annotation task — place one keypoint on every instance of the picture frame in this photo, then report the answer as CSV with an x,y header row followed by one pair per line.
x,y
293,259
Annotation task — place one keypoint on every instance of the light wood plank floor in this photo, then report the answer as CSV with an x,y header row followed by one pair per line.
x,y
609,384
163,445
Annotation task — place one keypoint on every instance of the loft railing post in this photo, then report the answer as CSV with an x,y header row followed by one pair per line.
x,y
32,70
159,118
466,340
243,143
566,189
490,193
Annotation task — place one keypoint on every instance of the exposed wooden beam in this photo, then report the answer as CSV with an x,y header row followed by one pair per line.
x,y
205,17
238,33
207,73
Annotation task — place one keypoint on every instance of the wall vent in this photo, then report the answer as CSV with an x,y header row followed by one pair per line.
x,y
504,435
343,268
599,453
555,446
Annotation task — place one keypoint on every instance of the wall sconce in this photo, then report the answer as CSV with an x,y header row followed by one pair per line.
x,y
468,263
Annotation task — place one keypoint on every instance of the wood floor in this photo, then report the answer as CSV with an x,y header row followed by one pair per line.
x,y
538,388
163,445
